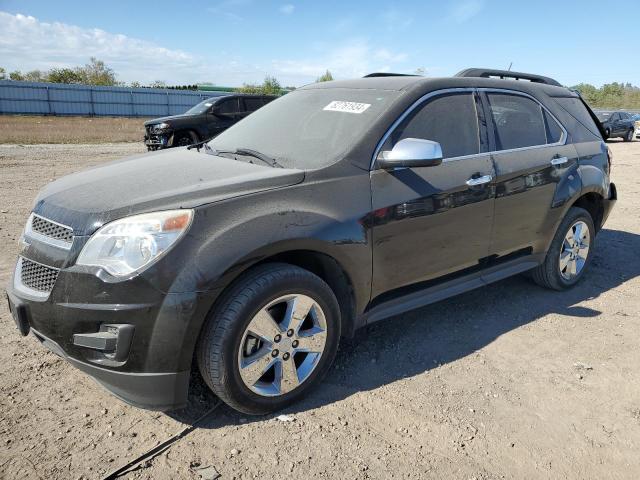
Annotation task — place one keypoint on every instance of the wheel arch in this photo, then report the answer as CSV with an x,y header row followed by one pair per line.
x,y
322,264
182,131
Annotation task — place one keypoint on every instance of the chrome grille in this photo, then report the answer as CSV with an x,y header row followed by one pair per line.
x,y
51,229
37,276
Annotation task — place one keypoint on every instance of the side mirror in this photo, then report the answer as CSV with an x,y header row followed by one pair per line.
x,y
411,152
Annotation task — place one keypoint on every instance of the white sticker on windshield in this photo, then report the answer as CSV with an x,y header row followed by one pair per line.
x,y
349,107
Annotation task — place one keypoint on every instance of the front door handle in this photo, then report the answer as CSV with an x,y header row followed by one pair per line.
x,y
559,161
473,182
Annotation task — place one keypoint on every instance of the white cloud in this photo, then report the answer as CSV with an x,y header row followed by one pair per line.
x,y
287,9
354,58
27,43
466,9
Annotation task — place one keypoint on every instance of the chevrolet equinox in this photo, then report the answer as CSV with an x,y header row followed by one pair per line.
x,y
335,206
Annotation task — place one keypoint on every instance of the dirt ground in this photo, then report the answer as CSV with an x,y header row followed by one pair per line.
x,y
508,381
28,129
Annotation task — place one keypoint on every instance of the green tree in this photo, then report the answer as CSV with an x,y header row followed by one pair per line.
x,y
35,76
136,84
270,86
16,75
96,72
3,73
64,75
158,84
610,96
326,77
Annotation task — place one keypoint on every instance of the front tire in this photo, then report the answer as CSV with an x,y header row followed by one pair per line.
x,y
570,253
185,139
629,136
271,338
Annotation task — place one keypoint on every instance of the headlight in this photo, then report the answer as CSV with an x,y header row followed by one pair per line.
x,y
161,126
131,244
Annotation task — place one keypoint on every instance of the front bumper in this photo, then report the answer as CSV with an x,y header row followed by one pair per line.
x,y
158,141
152,368
153,391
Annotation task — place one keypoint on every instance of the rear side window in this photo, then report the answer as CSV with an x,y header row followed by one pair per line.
x,y
450,120
518,121
252,104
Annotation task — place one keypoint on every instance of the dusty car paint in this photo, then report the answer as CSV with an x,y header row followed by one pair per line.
x,y
392,233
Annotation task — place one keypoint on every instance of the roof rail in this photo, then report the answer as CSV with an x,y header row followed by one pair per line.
x,y
388,74
507,74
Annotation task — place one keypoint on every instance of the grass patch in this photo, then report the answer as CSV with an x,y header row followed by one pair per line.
x,y
40,129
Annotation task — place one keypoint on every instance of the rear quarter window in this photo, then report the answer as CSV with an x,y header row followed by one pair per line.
x,y
574,107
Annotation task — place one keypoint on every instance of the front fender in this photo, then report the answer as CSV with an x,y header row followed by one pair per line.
x,y
230,236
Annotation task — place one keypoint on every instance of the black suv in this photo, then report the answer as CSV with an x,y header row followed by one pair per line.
x,y
202,121
335,206
617,124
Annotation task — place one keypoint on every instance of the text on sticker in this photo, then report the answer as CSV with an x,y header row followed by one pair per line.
x,y
349,107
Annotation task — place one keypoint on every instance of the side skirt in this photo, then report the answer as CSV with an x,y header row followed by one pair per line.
x,y
449,289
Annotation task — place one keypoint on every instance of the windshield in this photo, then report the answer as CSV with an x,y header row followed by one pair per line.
x,y
308,129
603,116
201,107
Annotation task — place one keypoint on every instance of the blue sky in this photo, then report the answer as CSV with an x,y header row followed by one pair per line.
x,y
231,42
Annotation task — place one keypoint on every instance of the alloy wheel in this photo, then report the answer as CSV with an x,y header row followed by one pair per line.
x,y
575,250
282,345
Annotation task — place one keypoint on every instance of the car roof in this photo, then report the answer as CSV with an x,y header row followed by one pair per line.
x,y
418,83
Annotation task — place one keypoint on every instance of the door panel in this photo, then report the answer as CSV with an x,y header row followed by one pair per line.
x,y
530,159
428,222
526,183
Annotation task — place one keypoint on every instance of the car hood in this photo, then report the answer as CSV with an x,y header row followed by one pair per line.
x,y
169,119
168,179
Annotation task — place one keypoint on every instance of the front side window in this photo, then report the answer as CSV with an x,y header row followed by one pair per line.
x,y
518,121
451,120
228,106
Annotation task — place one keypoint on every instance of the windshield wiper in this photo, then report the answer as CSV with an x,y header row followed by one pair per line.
x,y
272,162
261,156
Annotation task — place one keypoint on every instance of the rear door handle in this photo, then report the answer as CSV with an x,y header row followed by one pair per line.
x,y
472,182
559,161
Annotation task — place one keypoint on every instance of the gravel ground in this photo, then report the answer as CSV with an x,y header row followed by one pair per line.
x,y
508,381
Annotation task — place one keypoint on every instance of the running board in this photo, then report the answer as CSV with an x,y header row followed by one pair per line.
x,y
449,289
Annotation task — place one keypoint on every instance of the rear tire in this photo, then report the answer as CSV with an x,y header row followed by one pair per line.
x,y
566,263
258,350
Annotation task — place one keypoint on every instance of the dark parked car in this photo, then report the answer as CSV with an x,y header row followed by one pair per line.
x,y
617,124
202,121
335,206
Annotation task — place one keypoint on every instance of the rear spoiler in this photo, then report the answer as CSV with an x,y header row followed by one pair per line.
x,y
389,74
